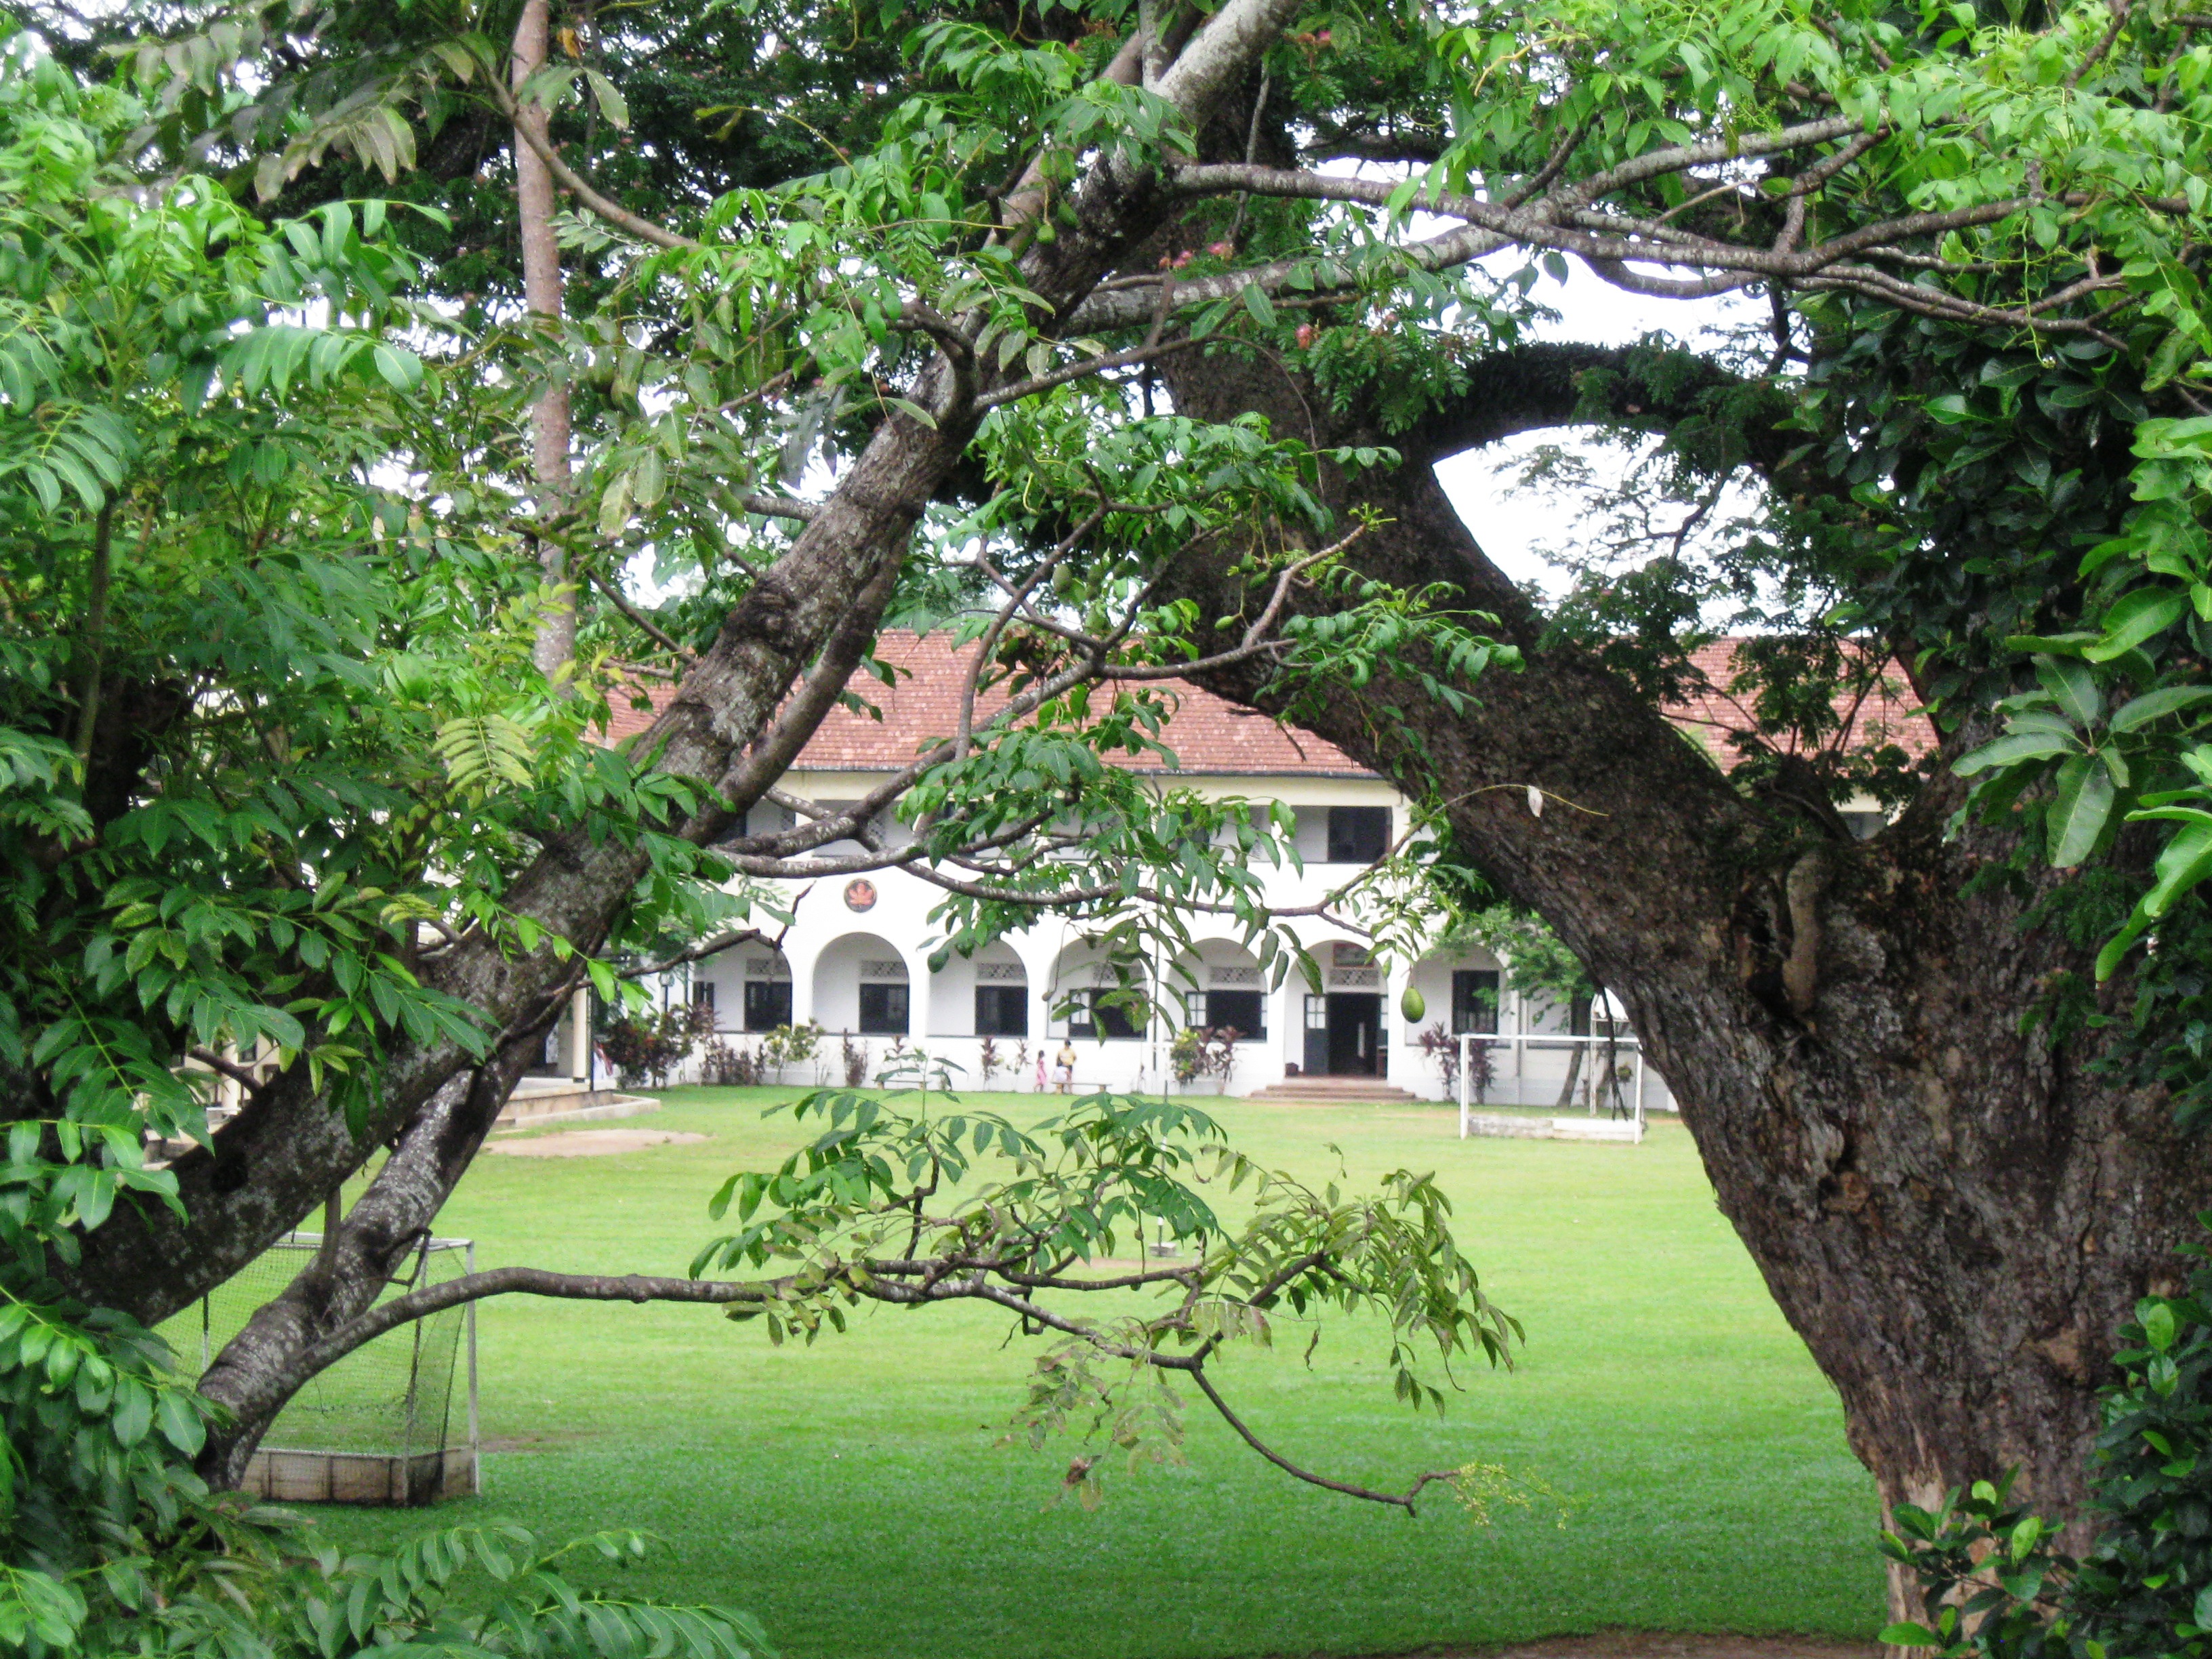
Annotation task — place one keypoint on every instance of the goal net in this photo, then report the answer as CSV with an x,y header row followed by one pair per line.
x,y
409,1395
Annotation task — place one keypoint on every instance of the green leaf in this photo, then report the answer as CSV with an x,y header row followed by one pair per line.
x,y
2083,803
2074,687
180,1425
134,1412
2137,617
402,369
2182,866
2013,747
1909,1636
2156,705
609,100
2184,862
480,749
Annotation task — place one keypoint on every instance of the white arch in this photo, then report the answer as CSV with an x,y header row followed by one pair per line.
x,y
728,972
1224,966
845,964
952,990
1077,965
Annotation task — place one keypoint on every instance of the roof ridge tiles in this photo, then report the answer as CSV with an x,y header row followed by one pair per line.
x,y
1208,734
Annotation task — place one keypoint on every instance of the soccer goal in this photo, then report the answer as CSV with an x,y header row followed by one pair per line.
x,y
395,1421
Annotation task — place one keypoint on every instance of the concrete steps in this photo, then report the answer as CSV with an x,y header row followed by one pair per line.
x,y
1336,1091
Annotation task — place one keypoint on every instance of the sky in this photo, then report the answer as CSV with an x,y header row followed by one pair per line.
x,y
1508,521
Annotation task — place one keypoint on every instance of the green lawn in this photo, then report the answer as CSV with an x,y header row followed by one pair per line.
x,y
851,1495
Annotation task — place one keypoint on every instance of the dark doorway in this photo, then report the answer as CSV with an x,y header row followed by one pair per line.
x,y
1355,1034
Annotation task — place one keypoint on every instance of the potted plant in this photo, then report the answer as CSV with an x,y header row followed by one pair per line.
x,y
1202,1057
1221,1055
1187,1057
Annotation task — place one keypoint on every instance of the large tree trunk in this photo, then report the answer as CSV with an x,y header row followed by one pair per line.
x,y
1954,1215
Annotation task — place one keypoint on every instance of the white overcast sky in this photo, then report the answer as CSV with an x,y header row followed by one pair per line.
x,y
1508,522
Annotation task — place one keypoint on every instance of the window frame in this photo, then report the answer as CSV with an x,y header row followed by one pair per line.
x,y
1253,1032
764,991
1462,1004
885,988
1371,817
1001,993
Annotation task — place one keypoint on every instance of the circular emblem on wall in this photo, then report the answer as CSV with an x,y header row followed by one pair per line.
x,y
860,895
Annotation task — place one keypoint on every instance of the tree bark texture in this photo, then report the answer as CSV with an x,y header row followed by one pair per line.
x,y
555,646
820,605
1954,1215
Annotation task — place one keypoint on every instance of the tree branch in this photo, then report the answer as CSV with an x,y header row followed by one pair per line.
x,y
779,507
613,212
250,1081
637,619
1399,1500
718,942
945,1280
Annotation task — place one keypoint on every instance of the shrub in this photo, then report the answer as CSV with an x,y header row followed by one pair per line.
x,y
1996,1586
855,1057
1186,1054
791,1045
733,1065
1443,1049
648,1046
1221,1052
1203,1051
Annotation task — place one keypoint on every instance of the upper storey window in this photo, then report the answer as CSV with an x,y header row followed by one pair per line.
x,y
1357,835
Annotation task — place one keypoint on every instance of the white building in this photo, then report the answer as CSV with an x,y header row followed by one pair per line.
x,y
856,958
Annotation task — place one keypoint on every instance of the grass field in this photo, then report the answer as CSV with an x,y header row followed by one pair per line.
x,y
850,1495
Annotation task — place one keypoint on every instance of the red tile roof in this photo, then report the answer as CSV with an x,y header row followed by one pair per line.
x,y
1888,713
1209,735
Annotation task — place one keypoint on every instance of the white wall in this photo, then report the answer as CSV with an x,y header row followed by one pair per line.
x,y
833,932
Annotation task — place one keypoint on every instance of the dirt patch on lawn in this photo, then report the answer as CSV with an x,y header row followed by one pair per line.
x,y
510,1445
592,1142
1658,1644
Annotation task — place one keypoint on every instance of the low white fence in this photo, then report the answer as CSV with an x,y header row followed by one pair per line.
x,y
1609,1081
